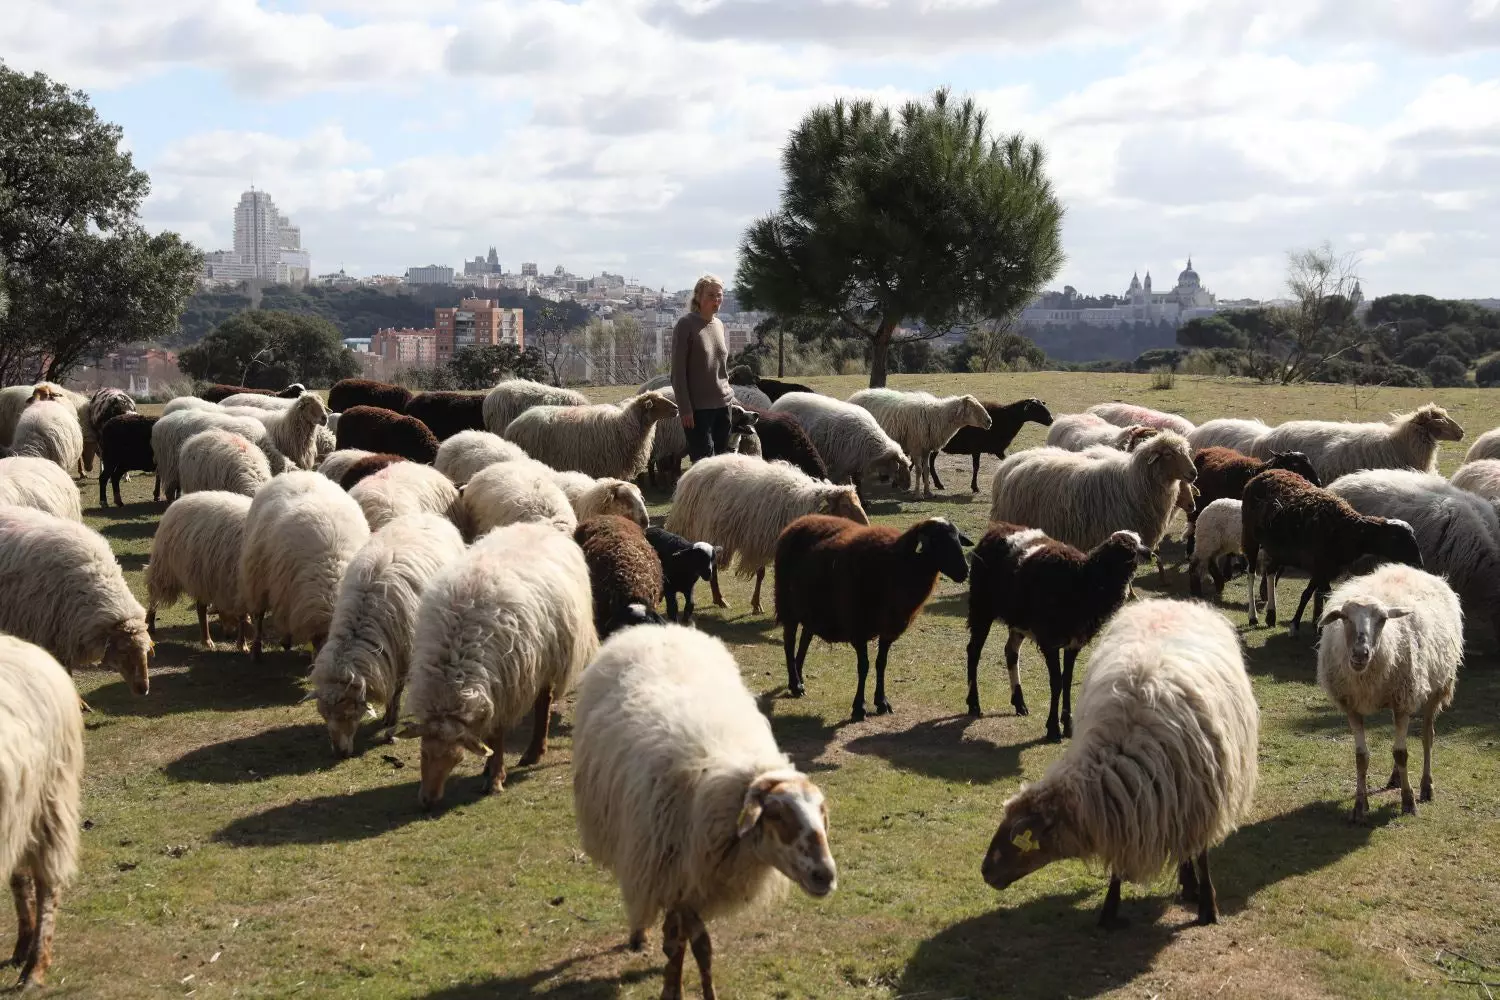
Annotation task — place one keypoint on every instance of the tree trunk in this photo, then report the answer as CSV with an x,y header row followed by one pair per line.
x,y
880,346
780,353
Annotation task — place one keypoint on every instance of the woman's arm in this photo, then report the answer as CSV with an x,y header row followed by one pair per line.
x,y
682,342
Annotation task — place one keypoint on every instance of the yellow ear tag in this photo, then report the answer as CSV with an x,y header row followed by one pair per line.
x,y
1025,842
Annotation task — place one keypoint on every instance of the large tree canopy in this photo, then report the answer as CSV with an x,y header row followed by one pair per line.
x,y
81,274
917,217
267,349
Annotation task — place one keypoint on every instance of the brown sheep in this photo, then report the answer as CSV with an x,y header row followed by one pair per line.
x,y
374,428
623,569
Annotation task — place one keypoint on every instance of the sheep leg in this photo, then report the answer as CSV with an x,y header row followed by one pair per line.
x,y
203,633
494,768
242,632
1013,670
155,491
979,631
1271,577
760,578
1398,754
260,630
674,948
1109,917
151,619
541,718
1361,767
703,950
1187,882
25,896
1208,900
1070,657
713,583
1429,720
789,647
1161,570
671,596
932,469
1252,558
39,959
103,482
862,654
1311,588
392,716
882,651
1194,573
1055,679
974,482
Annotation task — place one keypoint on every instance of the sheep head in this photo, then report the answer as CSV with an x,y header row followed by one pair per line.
x,y
894,468
1294,461
1363,622
974,413
938,541
45,391
704,552
343,703
656,405
785,820
128,650
1187,497
1036,411
1169,456
1433,422
624,499
444,741
843,501
1033,833
1390,540
1129,544
741,420
310,409
1131,437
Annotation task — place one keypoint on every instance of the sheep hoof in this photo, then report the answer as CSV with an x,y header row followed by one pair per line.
x,y
796,691
756,609
883,708
974,710
1408,803
528,759
1067,728
638,941
1361,810
1270,620
1018,702
208,644
1394,781
858,713
1426,795
1208,915
1054,735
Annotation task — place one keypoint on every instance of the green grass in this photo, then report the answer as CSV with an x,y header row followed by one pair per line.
x,y
226,844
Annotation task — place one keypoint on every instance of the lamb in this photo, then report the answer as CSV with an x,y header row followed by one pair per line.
x,y
776,388
41,744
1052,593
300,534
1164,764
1304,526
503,629
293,430
62,588
669,445
125,446
49,429
188,403
591,497
513,397
512,492
365,467
221,460
604,440
1227,432
214,393
338,463
920,422
375,429
196,551
623,569
849,439
1480,477
404,488
351,392
466,452
366,658
681,791
169,433
683,564
1005,423
448,413
782,439
1077,431
1486,445
39,484
742,504
845,582
1218,535
1125,414
1409,441
1223,473
1393,639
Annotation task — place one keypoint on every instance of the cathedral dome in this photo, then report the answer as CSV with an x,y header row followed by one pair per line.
x,y
1188,276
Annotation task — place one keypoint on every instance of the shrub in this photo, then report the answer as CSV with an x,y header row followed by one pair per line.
x,y
1487,375
1163,378
1447,372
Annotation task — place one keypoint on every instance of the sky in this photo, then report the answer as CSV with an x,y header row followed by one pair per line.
x,y
643,136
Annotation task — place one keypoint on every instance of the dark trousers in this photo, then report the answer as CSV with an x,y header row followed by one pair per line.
x,y
709,434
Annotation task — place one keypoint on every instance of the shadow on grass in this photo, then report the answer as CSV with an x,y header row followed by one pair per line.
x,y
332,819
1475,712
538,984
1307,839
746,628
222,681
300,749
802,737
124,530
937,748
132,511
1284,656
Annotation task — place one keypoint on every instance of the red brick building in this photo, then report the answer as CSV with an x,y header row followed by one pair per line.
x,y
479,322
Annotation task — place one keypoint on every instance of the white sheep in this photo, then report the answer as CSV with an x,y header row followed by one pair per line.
x,y
300,534
1227,432
502,630
669,445
406,488
1335,448
513,397
255,401
221,460
1162,766
327,441
1392,640
50,429
13,400
849,439
466,452
681,791
62,588
1481,477
338,463
1125,414
169,433
920,422
41,771
741,505
1486,445
26,481
1079,431
178,403
1216,534
293,429
196,552
368,652
591,497
603,440
512,492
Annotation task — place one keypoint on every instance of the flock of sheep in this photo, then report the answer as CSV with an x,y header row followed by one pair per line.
x,y
461,560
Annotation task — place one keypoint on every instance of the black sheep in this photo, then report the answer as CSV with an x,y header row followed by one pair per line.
x,y
125,446
364,467
1005,424
683,564
776,388
351,392
447,413
373,428
783,439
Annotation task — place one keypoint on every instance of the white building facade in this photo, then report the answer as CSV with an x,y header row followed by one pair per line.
x,y
1187,300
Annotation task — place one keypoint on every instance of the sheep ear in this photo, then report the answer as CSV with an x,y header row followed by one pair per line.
x,y
1330,616
1397,613
475,745
964,539
1151,458
749,813
920,543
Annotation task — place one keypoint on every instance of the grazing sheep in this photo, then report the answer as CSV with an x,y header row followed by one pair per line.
x,y
62,588
1227,432
741,505
406,488
466,452
300,534
591,497
1051,593
221,460
338,463
196,551
188,403
1486,445
681,792
368,652
513,397
782,439
1126,414
41,771
351,392
125,446
603,440
503,629
255,401
512,492
776,388
49,429
1409,441
623,568
1219,534
372,428
169,433
1005,424
1481,477
1306,527
214,393
1077,431
920,422
849,439
39,484
683,564
669,445
13,401
293,429
448,413
365,467
846,582
1163,766
1392,640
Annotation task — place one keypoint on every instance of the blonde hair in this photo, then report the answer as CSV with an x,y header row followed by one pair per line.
x,y
704,282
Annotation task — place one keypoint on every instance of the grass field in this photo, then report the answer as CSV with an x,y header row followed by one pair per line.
x,y
229,854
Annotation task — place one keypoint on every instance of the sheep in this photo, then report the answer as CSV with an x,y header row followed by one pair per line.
x,y
372,428
293,430
326,442
776,388
591,497
196,551
188,403
683,564
368,652
513,397
1227,432
623,569
1077,431
511,492
102,406
781,438
338,463
300,534
1126,414
740,377
1223,473
1393,639
603,440
466,452
849,439
125,445
13,402
448,413
1052,593
365,467
920,422
680,790
62,588
1458,532
169,433
1481,477
741,504
750,398
26,481
846,582
406,488
41,746
216,392
1486,445
1163,766
351,392
49,429
503,629
669,445
1218,535
1081,498
1304,526
255,401
221,460
1005,423
1409,441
